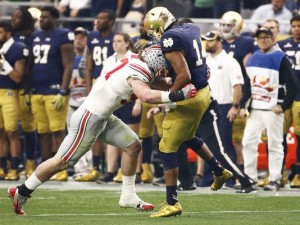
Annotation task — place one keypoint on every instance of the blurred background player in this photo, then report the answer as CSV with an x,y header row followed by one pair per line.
x,y
22,23
241,48
291,47
13,56
99,48
51,70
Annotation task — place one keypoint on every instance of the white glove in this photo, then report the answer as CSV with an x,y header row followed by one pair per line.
x,y
189,91
5,67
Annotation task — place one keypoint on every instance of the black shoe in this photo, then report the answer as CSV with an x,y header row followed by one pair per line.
x,y
107,177
245,190
272,186
188,188
159,182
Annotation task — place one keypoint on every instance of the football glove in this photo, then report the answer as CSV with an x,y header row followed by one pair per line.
x,y
58,102
5,67
189,91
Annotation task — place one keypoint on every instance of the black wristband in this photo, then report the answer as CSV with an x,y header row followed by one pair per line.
x,y
176,96
236,106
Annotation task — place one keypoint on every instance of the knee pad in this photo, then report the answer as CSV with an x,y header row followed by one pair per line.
x,y
195,144
169,160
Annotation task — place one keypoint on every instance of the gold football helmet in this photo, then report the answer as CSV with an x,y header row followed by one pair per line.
x,y
231,24
157,20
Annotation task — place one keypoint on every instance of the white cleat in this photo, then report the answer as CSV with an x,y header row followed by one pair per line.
x,y
136,203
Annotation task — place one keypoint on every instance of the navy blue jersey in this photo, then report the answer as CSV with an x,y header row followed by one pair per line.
x,y
17,51
292,49
47,66
187,38
101,48
239,48
17,36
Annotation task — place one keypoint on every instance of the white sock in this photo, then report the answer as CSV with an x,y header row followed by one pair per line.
x,y
128,184
32,182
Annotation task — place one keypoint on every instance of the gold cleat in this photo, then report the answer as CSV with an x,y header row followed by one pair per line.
x,y
118,177
92,175
168,210
284,180
263,182
2,174
147,175
220,180
295,183
29,167
60,176
12,175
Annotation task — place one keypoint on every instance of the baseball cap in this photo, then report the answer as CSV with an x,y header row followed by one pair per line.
x,y
211,35
264,30
80,30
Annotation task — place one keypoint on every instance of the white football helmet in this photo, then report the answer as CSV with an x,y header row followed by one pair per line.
x,y
231,24
157,20
154,58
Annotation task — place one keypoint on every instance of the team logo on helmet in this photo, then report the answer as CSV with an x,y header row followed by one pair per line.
x,y
157,20
154,58
231,24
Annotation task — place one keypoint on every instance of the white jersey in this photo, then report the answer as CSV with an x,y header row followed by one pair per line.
x,y
111,91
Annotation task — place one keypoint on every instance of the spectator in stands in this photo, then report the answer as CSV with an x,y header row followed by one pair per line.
x,y
203,9
100,5
76,8
275,10
223,6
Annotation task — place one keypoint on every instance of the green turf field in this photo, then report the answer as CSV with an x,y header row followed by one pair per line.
x,y
90,207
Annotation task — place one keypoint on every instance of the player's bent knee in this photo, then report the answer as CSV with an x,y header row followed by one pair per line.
x,y
134,148
169,160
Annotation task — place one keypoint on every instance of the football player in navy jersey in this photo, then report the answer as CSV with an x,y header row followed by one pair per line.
x,y
99,48
181,46
99,45
51,68
291,47
22,23
240,47
13,57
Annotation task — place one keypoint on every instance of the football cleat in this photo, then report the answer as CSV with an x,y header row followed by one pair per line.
x,y
118,177
29,167
263,182
92,175
2,174
17,200
147,175
12,175
136,203
295,183
272,186
60,176
220,180
168,210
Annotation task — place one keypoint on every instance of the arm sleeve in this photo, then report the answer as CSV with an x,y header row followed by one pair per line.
x,y
287,77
